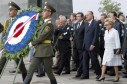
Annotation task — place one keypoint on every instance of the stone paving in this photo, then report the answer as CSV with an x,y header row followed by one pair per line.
x,y
7,78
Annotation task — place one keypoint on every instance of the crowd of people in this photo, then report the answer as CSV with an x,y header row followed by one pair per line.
x,y
78,42
85,39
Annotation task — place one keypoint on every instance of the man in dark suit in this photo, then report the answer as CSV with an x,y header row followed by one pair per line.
x,y
78,42
90,46
118,24
64,46
101,34
124,51
126,23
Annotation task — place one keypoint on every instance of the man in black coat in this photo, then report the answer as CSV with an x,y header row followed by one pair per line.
x,y
64,46
90,46
78,42
101,34
118,24
124,50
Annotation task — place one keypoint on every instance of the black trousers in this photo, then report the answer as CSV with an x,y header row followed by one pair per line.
x,y
101,48
87,55
21,67
41,70
80,69
65,60
77,57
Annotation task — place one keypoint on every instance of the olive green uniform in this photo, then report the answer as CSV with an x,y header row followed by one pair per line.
x,y
44,53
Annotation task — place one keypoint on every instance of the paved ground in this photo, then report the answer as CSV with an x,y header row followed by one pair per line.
x,y
7,78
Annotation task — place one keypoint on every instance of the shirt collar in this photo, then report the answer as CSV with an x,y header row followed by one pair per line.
x,y
80,22
90,21
47,19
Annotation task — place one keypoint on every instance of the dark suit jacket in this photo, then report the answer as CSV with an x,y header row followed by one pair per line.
x,y
79,36
124,46
91,35
118,27
64,43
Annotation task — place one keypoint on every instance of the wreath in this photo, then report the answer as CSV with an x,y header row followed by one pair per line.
x,y
19,35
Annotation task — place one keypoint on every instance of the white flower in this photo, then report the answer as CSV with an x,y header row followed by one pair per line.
x,y
65,33
68,28
100,24
72,29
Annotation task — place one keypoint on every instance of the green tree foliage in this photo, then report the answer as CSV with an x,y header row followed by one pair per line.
x,y
109,5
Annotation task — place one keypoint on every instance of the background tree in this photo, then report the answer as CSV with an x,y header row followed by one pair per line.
x,y
109,5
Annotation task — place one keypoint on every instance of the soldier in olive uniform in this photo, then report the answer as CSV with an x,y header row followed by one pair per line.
x,y
44,50
13,10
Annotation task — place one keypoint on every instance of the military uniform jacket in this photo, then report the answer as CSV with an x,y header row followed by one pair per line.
x,y
46,33
6,25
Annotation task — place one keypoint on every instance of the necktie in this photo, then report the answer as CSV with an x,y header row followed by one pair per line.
x,y
78,26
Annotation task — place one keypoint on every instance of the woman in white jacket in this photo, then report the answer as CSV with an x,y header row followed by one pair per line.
x,y
112,55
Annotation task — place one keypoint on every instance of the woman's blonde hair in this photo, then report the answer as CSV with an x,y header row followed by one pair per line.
x,y
111,21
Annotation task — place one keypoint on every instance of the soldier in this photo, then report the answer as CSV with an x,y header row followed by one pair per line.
x,y
44,50
13,10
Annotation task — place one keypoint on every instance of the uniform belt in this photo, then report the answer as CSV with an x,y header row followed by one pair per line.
x,y
46,41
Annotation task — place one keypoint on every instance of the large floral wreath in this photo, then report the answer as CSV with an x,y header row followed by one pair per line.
x,y
21,44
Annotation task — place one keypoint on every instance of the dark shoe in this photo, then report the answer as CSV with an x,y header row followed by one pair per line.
x,y
78,75
24,76
14,71
125,76
116,80
124,72
74,69
40,75
66,73
57,73
111,74
100,79
98,76
54,67
84,77
53,82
